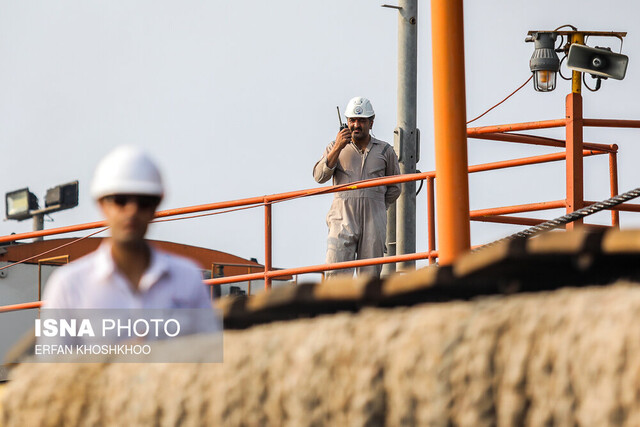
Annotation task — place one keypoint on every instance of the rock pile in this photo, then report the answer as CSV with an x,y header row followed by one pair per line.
x,y
567,357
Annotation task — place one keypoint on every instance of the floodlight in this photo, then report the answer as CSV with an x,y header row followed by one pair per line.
x,y
65,196
20,203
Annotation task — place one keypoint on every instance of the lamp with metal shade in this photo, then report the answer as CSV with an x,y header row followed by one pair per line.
x,y
22,204
544,62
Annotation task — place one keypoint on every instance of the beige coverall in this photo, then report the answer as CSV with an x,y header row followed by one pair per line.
x,y
357,219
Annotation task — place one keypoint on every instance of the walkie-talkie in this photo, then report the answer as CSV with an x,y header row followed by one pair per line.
x,y
342,125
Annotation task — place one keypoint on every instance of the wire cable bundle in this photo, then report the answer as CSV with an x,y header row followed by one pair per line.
x,y
570,217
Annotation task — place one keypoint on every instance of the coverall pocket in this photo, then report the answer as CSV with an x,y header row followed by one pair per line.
x,y
334,215
377,173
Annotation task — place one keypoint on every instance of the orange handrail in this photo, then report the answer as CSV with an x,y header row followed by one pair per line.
x,y
498,214
543,158
611,123
518,208
252,201
318,268
546,124
541,140
23,306
267,201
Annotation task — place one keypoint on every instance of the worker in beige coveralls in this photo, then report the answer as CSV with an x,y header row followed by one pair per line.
x,y
357,219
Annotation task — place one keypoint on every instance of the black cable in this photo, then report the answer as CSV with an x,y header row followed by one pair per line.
x,y
570,217
421,184
567,25
560,47
598,83
560,69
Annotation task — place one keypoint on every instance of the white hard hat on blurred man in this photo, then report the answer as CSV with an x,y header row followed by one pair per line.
x,y
126,170
359,107
126,271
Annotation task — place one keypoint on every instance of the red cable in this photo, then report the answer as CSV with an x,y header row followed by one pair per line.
x,y
54,249
512,93
257,205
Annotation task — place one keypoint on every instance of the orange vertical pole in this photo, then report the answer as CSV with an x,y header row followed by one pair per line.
x,y
450,129
574,169
431,218
574,138
267,244
613,181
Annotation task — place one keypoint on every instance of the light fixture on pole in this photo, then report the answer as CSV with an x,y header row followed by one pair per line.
x,y
23,204
544,62
20,203
64,196
600,62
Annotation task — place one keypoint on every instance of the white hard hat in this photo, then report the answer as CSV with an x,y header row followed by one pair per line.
x,y
126,170
359,107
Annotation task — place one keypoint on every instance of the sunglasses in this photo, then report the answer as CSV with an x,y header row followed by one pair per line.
x,y
143,202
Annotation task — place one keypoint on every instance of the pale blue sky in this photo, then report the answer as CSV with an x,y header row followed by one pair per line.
x,y
237,99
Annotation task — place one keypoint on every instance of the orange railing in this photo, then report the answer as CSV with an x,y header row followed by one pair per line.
x,y
266,202
249,267
497,215
574,180
23,306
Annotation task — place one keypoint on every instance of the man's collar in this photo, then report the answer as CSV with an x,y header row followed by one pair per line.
x,y
158,267
369,146
106,267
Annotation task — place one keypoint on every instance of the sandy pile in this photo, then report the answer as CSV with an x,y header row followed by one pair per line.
x,y
559,358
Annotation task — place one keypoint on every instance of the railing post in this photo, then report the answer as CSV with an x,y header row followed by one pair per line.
x,y
267,243
574,169
574,141
613,181
431,218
